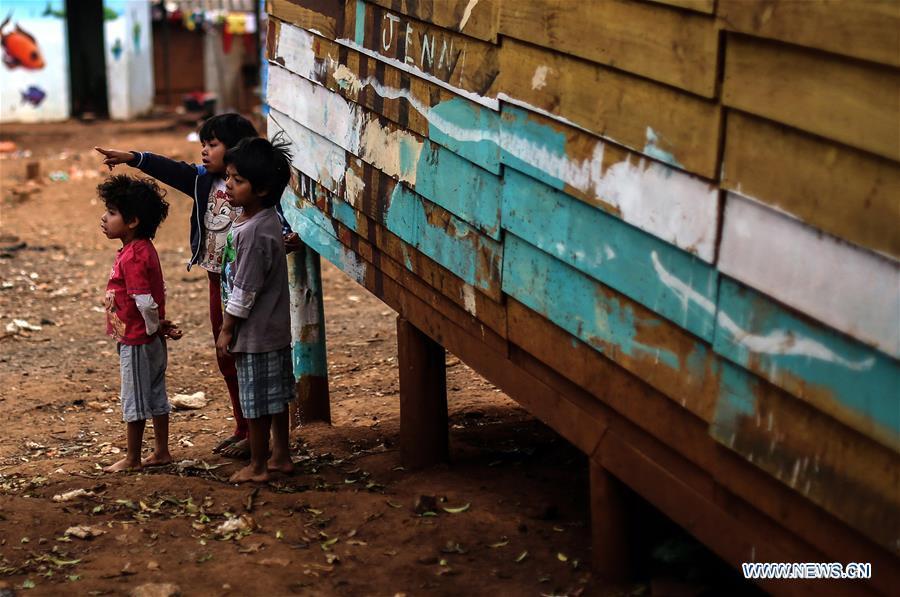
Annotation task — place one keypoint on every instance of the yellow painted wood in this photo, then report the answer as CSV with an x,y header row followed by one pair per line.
x,y
843,191
704,6
475,18
672,46
629,110
867,29
326,17
842,99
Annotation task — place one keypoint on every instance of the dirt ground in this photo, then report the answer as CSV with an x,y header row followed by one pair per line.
x,y
510,514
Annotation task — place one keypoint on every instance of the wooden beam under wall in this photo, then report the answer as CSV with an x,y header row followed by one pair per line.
x,y
424,424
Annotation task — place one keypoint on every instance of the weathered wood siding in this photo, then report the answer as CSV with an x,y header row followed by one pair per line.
x,y
669,228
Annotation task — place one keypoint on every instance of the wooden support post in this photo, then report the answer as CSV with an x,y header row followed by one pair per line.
x,y
610,525
424,433
308,333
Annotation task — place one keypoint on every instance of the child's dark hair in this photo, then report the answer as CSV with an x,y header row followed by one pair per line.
x,y
265,164
139,198
228,128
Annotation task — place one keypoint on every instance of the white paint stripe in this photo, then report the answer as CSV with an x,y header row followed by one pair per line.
x,y
776,342
849,289
467,13
487,102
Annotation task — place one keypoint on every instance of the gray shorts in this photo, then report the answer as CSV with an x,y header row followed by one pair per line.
x,y
143,369
265,382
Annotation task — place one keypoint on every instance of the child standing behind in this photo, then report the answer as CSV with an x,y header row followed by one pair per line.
x,y
257,328
211,219
135,314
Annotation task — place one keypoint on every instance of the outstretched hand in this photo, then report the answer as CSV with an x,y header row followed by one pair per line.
x,y
114,157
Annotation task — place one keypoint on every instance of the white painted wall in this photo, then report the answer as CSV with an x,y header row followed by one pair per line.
x,y
129,59
53,79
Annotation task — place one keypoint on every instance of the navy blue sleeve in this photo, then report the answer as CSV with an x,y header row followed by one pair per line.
x,y
180,175
285,227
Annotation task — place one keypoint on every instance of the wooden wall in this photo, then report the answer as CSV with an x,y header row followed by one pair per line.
x,y
669,228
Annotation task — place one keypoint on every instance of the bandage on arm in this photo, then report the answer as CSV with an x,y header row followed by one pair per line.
x,y
240,302
149,310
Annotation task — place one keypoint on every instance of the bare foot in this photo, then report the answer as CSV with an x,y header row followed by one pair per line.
x,y
156,459
239,450
248,473
123,465
285,466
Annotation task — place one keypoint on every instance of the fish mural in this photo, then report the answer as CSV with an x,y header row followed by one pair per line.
x,y
20,48
117,49
33,95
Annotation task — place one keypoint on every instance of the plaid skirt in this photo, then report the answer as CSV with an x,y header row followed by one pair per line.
x,y
265,382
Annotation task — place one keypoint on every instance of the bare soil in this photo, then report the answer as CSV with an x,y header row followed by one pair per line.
x,y
509,515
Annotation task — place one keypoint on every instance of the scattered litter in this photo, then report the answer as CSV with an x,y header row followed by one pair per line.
x,y
19,325
7,147
58,176
188,401
458,510
72,495
239,525
84,532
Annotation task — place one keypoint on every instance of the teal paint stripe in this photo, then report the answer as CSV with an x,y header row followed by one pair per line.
x,y
312,227
308,359
460,187
571,300
518,130
858,384
453,244
360,33
468,129
441,176
611,251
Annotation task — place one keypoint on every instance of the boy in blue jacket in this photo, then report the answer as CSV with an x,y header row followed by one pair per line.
x,y
211,218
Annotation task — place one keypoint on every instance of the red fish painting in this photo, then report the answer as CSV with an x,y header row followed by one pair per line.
x,y
20,48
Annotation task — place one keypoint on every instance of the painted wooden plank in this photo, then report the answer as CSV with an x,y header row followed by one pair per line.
x,y
704,6
440,235
431,170
408,267
616,254
843,191
544,345
465,64
663,354
676,207
679,48
845,100
845,473
323,16
851,290
866,30
475,18
463,126
852,382
614,105
420,265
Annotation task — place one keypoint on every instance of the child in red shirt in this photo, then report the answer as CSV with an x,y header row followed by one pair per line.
x,y
135,314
